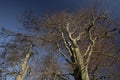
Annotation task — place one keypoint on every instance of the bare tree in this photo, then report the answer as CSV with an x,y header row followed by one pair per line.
x,y
86,40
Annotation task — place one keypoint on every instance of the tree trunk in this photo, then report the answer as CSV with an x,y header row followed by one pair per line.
x,y
81,71
24,68
77,74
81,74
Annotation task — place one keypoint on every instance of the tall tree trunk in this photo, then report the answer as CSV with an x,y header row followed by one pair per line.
x,y
77,74
23,71
81,74
81,71
85,75
24,67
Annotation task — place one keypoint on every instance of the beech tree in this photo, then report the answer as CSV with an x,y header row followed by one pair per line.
x,y
86,41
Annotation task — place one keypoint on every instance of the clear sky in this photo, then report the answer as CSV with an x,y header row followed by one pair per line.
x,y
9,9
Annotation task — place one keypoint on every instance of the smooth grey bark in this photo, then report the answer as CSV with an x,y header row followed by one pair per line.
x,y
24,67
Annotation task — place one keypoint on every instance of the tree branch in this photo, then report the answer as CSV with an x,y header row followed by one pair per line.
x,y
79,36
69,33
87,51
63,54
90,47
110,55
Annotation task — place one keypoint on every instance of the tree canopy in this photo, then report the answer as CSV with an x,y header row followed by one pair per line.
x,y
79,46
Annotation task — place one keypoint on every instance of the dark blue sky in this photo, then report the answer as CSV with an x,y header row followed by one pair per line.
x,y
9,9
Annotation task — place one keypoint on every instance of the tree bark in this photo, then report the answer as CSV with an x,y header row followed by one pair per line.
x,y
81,74
81,71
24,67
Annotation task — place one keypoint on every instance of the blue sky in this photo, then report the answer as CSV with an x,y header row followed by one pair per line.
x,y
9,9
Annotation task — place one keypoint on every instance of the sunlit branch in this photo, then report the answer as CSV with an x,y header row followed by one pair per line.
x,y
44,39
69,33
63,54
87,51
78,55
89,55
110,55
66,44
8,72
90,47
79,36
